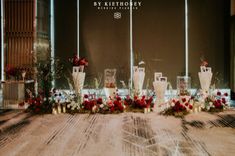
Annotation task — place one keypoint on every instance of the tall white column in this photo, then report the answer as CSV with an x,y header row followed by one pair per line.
x,y
2,41
131,46
52,37
186,38
78,47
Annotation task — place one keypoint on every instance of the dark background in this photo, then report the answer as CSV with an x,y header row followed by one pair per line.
x,y
158,31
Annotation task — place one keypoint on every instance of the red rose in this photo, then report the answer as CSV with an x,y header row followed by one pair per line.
x,y
143,97
184,99
112,109
219,93
99,101
176,108
186,104
86,96
135,97
225,94
182,107
223,100
177,103
190,107
204,63
121,108
118,98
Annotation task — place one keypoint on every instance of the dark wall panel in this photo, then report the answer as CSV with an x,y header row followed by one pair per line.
x,y
65,35
104,41
159,37
209,37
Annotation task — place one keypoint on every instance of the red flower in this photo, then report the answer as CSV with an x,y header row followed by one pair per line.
x,y
99,101
86,96
186,104
87,105
184,100
204,63
121,108
112,109
118,98
225,94
219,93
177,103
190,107
83,62
143,97
223,100
135,97
182,107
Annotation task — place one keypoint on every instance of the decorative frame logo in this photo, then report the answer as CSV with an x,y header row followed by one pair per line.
x,y
114,5
117,15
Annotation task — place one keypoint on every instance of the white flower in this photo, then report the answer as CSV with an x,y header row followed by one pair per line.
x,y
102,106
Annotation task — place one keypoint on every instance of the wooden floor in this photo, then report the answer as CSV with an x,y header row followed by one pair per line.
x,y
126,134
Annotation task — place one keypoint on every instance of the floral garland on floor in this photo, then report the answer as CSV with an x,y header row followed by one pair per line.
x,y
92,104
183,105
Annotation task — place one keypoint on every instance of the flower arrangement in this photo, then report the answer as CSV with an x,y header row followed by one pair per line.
x,y
90,103
139,103
93,104
77,61
14,72
179,106
216,102
37,104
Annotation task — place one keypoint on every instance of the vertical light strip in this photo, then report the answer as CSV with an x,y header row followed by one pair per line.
x,y
131,46
78,46
52,40
35,44
186,38
2,43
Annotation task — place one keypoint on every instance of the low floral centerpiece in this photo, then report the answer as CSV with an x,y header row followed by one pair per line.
x,y
216,102
179,106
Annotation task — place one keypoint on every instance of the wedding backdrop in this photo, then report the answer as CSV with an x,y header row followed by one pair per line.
x,y
123,77
134,40
158,38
